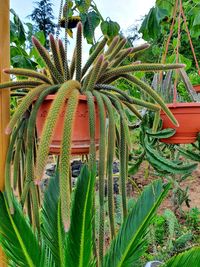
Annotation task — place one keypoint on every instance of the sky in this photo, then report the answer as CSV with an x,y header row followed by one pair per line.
x,y
126,13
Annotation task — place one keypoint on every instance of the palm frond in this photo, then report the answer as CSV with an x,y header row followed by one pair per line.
x,y
17,238
79,239
50,224
130,243
189,258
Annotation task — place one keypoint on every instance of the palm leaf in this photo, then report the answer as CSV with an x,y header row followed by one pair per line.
x,y
189,258
79,239
51,228
17,238
130,243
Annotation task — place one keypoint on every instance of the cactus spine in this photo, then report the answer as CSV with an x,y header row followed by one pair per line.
x,y
65,158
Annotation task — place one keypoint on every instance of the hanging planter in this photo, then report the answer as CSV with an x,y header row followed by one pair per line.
x,y
187,114
197,88
81,132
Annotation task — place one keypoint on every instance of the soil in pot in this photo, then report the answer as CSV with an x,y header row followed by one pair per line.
x,y
188,116
80,134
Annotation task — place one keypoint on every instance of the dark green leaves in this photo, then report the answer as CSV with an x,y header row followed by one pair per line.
x,y
90,21
110,28
83,5
150,27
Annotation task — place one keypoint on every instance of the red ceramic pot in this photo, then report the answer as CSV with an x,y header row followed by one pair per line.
x,y
197,88
188,116
80,133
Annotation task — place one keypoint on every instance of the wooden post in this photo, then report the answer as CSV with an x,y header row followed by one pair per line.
x,y
4,94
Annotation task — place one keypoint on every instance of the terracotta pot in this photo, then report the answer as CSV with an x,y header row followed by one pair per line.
x,y
197,88
80,134
188,116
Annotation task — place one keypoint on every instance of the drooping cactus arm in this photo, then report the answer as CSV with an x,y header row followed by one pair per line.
x,y
102,154
133,109
56,76
61,96
24,105
30,140
64,167
28,73
20,84
94,55
79,51
110,158
138,67
126,97
56,55
146,88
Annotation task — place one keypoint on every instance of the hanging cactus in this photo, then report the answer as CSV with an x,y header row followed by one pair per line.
x,y
93,79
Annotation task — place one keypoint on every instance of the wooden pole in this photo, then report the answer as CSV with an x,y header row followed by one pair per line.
x,y
4,94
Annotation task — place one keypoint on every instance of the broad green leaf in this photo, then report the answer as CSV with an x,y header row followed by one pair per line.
x,y
110,28
130,242
90,21
189,258
79,238
17,238
196,20
20,32
83,5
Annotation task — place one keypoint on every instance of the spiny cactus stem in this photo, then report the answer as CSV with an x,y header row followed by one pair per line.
x,y
110,157
61,96
79,51
112,45
139,67
73,64
140,48
45,56
94,55
117,49
8,166
156,122
21,109
95,74
126,97
56,55
65,158
65,67
28,73
146,88
133,109
20,84
121,57
102,152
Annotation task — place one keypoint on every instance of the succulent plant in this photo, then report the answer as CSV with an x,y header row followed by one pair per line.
x,y
95,79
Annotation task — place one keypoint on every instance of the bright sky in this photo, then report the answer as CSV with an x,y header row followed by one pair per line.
x,y
124,12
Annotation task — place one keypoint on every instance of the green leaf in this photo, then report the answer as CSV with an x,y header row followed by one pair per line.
x,y
17,238
79,238
150,27
110,28
83,5
90,21
129,244
189,258
196,20
50,225
19,34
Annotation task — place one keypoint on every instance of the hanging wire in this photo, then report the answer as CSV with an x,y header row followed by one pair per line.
x,y
59,20
66,37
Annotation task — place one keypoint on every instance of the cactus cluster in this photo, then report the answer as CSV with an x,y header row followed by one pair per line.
x,y
95,79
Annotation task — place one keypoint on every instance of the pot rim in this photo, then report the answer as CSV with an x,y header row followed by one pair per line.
x,y
52,97
184,105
